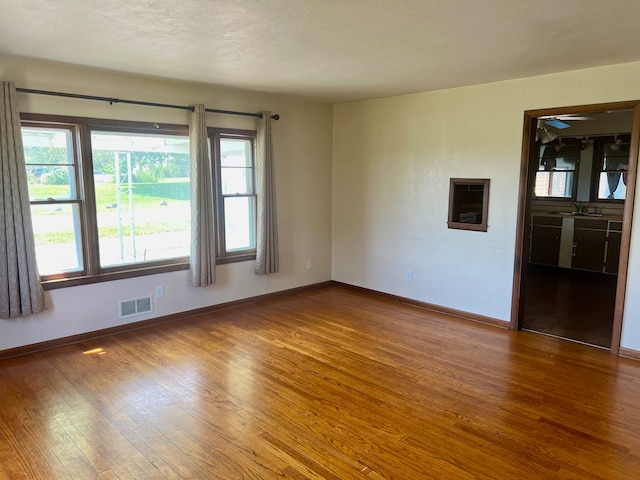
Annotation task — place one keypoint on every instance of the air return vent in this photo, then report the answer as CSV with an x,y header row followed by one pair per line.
x,y
135,306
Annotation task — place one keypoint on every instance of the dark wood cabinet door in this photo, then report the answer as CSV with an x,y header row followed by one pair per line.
x,y
613,252
545,245
588,249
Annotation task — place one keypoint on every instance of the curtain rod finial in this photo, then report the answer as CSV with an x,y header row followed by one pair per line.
x,y
275,117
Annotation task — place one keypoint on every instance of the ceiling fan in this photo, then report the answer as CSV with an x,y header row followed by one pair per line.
x,y
559,121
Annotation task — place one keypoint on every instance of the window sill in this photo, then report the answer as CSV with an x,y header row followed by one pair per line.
x,y
138,272
475,227
107,277
245,257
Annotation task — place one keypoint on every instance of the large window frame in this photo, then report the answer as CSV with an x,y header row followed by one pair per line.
x,y
81,129
216,135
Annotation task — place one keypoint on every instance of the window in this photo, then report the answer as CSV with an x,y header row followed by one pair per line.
x,y
557,165
234,158
612,159
142,196
56,201
109,199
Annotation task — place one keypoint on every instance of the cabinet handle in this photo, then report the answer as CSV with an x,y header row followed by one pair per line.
x,y
575,247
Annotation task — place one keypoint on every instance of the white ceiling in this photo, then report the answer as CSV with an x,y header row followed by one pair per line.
x,y
329,50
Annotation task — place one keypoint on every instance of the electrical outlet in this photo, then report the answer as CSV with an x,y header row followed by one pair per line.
x,y
159,291
410,275
309,264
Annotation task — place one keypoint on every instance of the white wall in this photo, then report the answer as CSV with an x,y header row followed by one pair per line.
x,y
302,142
393,158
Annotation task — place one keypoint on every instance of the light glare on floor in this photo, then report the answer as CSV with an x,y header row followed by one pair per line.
x,y
98,351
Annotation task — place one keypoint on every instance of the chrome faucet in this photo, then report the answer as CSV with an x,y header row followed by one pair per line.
x,y
578,206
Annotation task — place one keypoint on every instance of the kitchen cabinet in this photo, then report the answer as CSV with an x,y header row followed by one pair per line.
x,y
545,240
614,236
589,244
573,242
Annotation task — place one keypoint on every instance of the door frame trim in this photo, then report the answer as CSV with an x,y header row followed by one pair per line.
x,y
526,186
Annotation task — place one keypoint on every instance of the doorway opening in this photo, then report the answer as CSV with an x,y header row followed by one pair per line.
x,y
576,198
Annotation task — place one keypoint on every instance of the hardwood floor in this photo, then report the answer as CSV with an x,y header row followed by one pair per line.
x,y
325,384
572,304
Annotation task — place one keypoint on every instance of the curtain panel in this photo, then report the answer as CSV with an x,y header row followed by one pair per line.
x,y
203,231
267,258
21,292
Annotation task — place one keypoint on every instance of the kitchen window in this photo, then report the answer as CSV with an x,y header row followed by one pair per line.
x,y
612,160
557,169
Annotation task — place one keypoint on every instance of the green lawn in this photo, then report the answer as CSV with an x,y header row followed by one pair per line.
x,y
52,238
144,194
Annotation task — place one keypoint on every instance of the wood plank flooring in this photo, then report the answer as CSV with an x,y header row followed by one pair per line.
x,y
325,384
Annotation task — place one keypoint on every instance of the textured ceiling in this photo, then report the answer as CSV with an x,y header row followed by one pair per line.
x,y
330,50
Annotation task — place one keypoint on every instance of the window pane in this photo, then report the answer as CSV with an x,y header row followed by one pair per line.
x,y
51,172
239,223
558,157
235,153
612,185
52,183
47,146
554,184
556,167
142,197
57,233
236,180
616,156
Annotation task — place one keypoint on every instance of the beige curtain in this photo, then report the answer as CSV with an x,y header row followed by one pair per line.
x,y
21,292
267,260
203,235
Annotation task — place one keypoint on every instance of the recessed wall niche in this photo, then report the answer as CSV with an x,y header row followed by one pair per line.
x,y
468,203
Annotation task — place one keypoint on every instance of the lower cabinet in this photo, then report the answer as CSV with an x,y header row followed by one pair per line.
x,y
581,243
545,240
589,246
614,236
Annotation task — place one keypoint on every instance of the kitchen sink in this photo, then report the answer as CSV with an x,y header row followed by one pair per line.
x,y
577,214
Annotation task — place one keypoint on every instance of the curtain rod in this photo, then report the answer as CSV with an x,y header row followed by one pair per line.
x,y
137,102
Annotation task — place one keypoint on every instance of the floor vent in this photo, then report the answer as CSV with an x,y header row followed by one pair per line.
x,y
135,306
